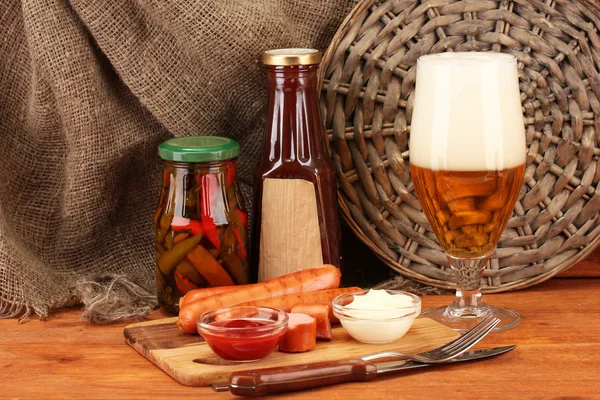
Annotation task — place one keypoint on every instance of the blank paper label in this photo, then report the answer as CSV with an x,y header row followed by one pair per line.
x,y
290,238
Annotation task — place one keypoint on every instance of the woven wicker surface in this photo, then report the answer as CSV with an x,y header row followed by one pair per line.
x,y
368,75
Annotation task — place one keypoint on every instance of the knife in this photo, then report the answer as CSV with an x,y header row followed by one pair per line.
x,y
299,377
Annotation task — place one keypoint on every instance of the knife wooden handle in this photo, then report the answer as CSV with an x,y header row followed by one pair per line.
x,y
299,377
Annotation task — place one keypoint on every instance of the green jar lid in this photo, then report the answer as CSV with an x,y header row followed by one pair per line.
x,y
194,149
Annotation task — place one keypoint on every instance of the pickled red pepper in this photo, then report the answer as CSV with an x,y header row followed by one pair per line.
x,y
209,192
183,284
185,224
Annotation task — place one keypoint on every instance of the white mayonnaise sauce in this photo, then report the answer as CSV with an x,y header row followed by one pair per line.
x,y
379,317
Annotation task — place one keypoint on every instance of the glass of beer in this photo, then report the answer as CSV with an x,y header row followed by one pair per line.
x,y
467,160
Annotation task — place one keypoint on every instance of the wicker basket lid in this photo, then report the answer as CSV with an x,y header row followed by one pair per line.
x,y
368,75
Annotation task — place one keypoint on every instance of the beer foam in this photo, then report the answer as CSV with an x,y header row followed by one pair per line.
x,y
467,113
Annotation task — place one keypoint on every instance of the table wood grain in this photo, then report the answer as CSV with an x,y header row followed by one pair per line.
x,y
557,357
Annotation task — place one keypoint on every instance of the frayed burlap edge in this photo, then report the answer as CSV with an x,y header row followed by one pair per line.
x,y
111,297
22,310
106,299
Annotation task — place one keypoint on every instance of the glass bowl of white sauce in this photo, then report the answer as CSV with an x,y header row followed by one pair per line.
x,y
377,316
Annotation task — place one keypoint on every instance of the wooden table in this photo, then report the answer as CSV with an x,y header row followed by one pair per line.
x,y
558,356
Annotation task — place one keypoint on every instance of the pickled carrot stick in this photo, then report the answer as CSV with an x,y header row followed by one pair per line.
x,y
209,268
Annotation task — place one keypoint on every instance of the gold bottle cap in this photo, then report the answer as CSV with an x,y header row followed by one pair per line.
x,y
291,57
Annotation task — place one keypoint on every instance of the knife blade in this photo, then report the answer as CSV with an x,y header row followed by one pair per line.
x,y
299,377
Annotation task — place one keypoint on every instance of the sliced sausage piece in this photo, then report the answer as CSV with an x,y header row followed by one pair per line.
x,y
320,312
301,334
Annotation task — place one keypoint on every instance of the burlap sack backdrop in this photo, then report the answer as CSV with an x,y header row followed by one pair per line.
x,y
88,89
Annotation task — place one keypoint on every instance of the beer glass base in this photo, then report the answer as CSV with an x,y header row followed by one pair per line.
x,y
508,318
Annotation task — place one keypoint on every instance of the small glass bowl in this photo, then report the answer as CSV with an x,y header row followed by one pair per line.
x,y
376,326
243,333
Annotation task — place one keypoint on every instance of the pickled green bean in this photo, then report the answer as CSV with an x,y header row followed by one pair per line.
x,y
171,258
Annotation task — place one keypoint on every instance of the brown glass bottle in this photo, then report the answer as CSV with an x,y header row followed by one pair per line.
x,y
294,148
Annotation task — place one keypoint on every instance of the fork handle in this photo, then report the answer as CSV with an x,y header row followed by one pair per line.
x,y
299,377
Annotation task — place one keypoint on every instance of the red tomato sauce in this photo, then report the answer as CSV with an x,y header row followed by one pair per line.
x,y
243,344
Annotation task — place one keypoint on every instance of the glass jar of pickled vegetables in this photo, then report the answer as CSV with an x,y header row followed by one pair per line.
x,y
201,224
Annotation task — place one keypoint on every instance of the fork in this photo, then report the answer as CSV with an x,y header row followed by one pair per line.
x,y
446,352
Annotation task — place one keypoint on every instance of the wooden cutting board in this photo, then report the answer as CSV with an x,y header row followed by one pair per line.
x,y
189,360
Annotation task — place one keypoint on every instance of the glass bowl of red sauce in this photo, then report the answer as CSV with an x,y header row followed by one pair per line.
x,y
243,333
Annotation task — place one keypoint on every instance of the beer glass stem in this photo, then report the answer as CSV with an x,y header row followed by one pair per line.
x,y
468,302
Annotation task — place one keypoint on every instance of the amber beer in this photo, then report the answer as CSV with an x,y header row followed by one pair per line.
x,y
467,159
467,148
467,210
